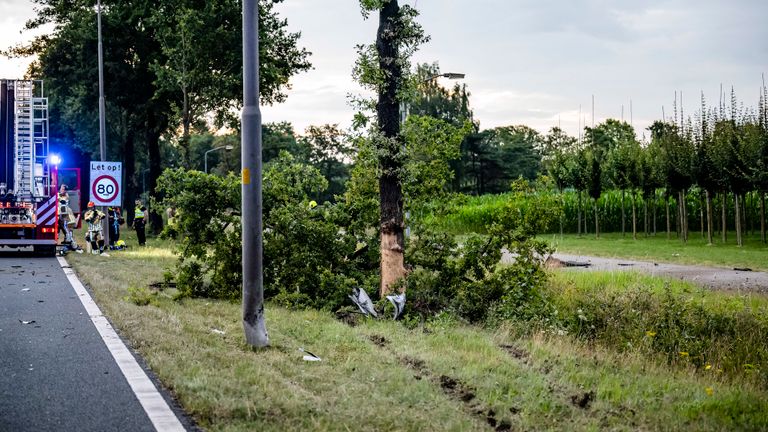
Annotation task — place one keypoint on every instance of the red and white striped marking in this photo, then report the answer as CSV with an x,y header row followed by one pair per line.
x,y
46,212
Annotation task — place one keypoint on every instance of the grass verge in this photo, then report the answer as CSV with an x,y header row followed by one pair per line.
x,y
380,375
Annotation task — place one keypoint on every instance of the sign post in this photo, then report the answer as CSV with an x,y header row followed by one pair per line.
x,y
106,178
105,190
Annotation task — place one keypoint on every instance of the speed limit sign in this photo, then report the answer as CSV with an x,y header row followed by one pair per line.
x,y
105,183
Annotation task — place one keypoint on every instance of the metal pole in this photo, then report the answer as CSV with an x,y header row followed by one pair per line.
x,y
253,289
102,120
205,156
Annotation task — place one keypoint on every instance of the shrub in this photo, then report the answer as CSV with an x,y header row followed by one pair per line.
x,y
140,296
686,325
310,257
468,281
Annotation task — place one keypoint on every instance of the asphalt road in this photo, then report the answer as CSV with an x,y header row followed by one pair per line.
x,y
56,373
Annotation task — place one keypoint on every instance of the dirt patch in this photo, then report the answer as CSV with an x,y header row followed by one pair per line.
x,y
583,400
515,352
349,318
458,391
378,340
503,425
414,363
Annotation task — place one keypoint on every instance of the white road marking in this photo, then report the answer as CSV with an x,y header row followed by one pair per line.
x,y
158,411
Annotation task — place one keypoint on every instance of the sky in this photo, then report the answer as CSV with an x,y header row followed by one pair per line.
x,y
531,62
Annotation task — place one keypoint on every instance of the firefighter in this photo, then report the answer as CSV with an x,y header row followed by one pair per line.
x,y
115,220
139,222
65,214
94,217
67,218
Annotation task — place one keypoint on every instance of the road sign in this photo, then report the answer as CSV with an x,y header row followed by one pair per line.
x,y
105,183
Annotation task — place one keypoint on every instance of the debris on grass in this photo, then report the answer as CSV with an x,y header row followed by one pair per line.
x,y
217,331
361,299
309,356
398,301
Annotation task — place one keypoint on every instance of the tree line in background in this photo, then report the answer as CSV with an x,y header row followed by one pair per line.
x,y
718,158
172,68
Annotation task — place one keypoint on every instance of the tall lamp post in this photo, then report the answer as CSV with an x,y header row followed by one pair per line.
x,y
254,325
102,112
226,147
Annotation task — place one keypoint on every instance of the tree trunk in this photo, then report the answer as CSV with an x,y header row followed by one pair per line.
x,y
669,226
653,208
709,217
562,214
634,218
762,217
597,221
130,173
684,207
683,216
155,168
701,214
737,207
623,216
586,218
724,218
186,120
645,215
578,229
745,228
388,113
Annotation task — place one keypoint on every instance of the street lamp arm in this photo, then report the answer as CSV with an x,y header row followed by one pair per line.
x,y
449,75
205,155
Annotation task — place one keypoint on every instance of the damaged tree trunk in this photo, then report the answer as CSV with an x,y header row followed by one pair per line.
x,y
388,113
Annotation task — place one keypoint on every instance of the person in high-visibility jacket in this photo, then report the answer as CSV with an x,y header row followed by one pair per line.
x,y
94,235
139,222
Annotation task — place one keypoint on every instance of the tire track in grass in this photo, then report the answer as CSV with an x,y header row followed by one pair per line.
x,y
453,388
579,398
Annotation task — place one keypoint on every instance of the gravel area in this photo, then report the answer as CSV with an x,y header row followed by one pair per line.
x,y
709,277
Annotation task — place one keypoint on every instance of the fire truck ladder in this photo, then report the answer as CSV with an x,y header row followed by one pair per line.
x,y
32,176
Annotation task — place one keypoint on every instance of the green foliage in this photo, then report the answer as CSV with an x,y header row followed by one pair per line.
x,y
407,36
685,324
536,212
467,280
141,296
431,144
309,254
329,148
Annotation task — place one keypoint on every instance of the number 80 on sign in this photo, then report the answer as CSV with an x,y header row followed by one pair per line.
x,y
105,189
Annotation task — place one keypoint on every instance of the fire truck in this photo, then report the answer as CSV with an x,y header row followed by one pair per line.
x,y
29,208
